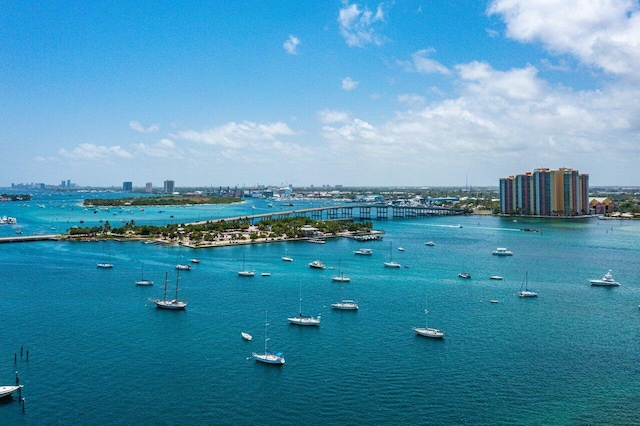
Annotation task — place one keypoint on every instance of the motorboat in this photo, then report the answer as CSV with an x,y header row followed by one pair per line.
x,y
606,281
316,264
105,265
426,331
495,277
266,274
363,252
246,336
183,267
195,260
494,301
345,305
526,292
430,243
501,251
268,357
465,275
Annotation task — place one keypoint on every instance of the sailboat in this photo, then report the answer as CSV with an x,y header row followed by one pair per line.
x,y
268,357
345,304
426,331
340,278
142,281
304,319
526,292
287,258
174,304
391,263
245,272
105,265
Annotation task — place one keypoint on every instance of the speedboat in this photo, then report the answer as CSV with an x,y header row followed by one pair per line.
x,y
105,265
316,264
8,390
464,275
430,243
606,281
495,277
345,305
183,267
363,252
195,260
501,251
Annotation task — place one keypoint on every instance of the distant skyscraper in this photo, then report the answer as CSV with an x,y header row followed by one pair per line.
x,y
149,188
127,186
562,192
169,186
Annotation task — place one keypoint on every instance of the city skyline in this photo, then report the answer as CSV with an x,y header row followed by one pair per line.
x,y
339,93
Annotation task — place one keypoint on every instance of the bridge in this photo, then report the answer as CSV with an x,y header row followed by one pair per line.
x,y
28,238
353,212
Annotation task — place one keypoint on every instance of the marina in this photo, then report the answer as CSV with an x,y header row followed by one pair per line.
x,y
136,340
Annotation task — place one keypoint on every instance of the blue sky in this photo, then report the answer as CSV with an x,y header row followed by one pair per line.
x,y
420,93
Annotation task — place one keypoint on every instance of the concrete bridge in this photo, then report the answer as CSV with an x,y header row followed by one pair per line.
x,y
27,238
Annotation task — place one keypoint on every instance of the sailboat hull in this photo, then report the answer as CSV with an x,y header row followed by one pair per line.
x,y
429,332
269,358
174,305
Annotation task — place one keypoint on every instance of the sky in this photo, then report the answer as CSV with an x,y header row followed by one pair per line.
x,y
318,92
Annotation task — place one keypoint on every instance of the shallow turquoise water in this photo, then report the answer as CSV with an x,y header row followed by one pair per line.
x,y
100,353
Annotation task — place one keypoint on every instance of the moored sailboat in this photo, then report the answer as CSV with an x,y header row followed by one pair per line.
x,y
526,292
142,281
304,319
426,331
171,304
267,356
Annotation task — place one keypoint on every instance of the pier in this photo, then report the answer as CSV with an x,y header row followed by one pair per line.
x,y
29,238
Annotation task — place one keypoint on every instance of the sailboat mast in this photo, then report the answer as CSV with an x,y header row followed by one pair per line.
x,y
426,311
266,324
166,278
177,279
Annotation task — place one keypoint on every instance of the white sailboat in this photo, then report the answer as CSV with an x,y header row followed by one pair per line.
x,y
391,263
526,292
268,357
173,304
345,304
286,258
245,272
8,390
427,331
304,319
106,265
142,281
340,278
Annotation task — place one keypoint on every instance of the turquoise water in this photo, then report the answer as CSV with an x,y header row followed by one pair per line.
x,y
100,353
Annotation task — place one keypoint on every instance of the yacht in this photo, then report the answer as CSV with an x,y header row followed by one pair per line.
x,y
464,275
363,252
606,281
304,319
345,304
501,251
267,356
183,267
316,264
430,243
171,304
8,390
526,292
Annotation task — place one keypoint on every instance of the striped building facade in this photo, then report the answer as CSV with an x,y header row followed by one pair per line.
x,y
544,192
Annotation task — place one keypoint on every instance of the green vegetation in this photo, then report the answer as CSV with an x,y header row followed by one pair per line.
x,y
15,197
223,230
160,201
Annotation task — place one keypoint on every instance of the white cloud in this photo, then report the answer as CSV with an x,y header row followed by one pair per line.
x,y
411,99
422,64
516,83
135,125
164,148
349,84
604,34
291,45
332,116
237,135
89,151
357,25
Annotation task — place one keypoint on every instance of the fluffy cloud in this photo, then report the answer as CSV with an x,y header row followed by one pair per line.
x,y
162,149
604,34
291,45
411,99
135,125
422,64
89,151
349,84
237,135
357,25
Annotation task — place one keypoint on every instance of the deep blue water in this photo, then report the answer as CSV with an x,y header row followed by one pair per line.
x,y
100,353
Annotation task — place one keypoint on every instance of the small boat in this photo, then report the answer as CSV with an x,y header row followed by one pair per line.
x,y
142,281
246,336
172,304
245,272
430,243
363,252
493,301
287,258
606,281
183,267
340,278
426,331
464,275
400,248
304,319
345,304
526,292
316,264
195,260
8,390
316,241
266,274
105,265
501,251
268,357
390,263
495,277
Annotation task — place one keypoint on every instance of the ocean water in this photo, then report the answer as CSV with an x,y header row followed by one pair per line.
x,y
101,353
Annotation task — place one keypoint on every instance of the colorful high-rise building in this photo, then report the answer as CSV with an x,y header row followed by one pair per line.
x,y
544,192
